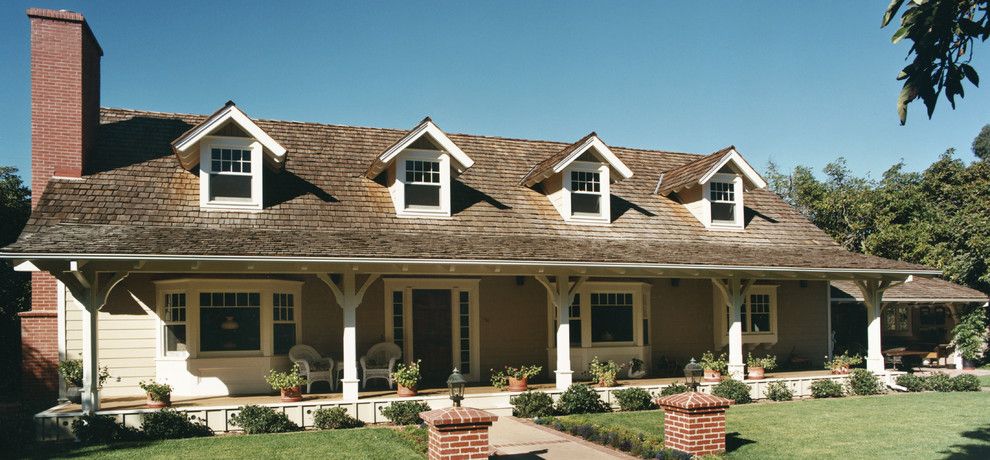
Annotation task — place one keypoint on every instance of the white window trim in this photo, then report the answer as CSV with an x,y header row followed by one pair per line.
x,y
205,169
641,308
739,211
456,286
192,287
399,189
605,209
892,309
721,322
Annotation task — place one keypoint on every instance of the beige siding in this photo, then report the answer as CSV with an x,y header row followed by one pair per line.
x,y
802,320
513,324
681,319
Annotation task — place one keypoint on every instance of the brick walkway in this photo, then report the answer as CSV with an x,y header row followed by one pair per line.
x,y
522,439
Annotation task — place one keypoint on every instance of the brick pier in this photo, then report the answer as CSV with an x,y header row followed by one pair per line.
x,y
458,433
694,422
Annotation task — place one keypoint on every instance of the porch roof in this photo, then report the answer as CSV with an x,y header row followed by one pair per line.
x,y
915,290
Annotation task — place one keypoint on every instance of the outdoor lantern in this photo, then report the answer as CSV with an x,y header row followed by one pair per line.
x,y
456,384
692,373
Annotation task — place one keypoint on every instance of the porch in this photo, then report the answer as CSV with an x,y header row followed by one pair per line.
x,y
54,424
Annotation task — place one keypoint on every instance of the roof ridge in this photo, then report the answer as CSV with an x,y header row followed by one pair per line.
x,y
400,130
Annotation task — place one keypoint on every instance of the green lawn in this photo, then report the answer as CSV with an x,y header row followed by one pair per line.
x,y
361,443
902,426
985,380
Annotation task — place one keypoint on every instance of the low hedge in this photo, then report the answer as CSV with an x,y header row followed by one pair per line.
x,y
636,444
581,399
334,418
532,404
634,398
864,383
405,412
778,391
734,390
826,388
262,419
170,424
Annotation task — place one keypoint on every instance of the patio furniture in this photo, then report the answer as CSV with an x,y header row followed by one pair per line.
x,y
379,363
316,368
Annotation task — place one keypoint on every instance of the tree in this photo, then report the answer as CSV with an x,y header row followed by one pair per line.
x,y
15,287
943,33
981,145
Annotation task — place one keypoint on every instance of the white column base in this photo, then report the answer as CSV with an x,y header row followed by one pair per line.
x,y
875,365
737,371
349,387
564,379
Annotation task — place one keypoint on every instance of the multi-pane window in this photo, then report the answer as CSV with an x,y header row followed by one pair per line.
x,y
464,324
896,318
586,192
574,313
398,331
611,317
230,175
422,184
723,199
230,321
174,317
283,322
755,315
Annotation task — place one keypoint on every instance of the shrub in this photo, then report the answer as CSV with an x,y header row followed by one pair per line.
x,y
939,381
674,388
634,399
284,380
911,382
778,391
862,382
102,429
71,371
532,404
169,424
604,372
407,375
734,390
638,444
826,388
405,412
581,399
260,419
334,418
966,382
970,333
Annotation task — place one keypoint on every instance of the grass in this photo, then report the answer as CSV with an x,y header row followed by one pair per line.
x,y
984,380
904,426
359,443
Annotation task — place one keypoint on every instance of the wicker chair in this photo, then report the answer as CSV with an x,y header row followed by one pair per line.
x,y
315,367
379,363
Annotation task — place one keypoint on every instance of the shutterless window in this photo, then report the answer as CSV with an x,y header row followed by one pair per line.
x,y
284,322
464,324
398,330
174,317
759,313
586,193
611,317
230,321
230,175
422,184
575,320
723,199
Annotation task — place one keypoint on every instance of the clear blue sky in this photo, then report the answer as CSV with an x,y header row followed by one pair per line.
x,y
796,82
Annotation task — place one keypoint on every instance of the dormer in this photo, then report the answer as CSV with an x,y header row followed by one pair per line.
x,y
231,152
578,179
712,187
418,170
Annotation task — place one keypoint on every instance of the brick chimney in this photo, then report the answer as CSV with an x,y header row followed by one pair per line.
x,y
65,117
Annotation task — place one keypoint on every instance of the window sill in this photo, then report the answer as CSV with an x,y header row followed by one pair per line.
x,y
230,206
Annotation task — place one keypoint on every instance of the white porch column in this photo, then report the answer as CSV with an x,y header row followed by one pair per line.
x,y
90,358
734,291
562,296
349,298
873,299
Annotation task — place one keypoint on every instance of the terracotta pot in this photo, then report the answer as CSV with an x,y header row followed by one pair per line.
x,y
406,391
756,373
293,394
517,384
968,364
840,370
155,404
712,376
603,383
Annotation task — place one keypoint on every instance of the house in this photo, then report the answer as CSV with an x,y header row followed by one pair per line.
x,y
197,249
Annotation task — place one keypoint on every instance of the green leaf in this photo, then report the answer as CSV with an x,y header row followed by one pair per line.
x,y
891,12
908,94
900,34
970,73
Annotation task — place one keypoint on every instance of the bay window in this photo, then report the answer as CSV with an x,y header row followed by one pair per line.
x,y
612,317
174,319
284,322
229,321
608,314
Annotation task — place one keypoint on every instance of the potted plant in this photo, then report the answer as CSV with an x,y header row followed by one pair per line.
x,y
514,378
159,394
840,364
406,376
758,366
636,369
714,366
288,383
969,336
71,371
605,372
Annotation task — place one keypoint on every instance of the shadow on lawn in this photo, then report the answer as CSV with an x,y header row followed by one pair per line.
x,y
76,450
734,441
978,448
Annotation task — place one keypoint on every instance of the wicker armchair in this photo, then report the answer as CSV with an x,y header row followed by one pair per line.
x,y
315,367
379,363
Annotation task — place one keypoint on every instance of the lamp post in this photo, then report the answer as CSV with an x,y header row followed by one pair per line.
x,y
456,384
692,373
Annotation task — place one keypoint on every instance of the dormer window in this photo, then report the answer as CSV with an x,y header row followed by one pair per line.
x,y
418,170
231,152
577,180
724,201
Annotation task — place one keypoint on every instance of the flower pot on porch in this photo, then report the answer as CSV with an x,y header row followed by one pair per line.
x,y
406,392
968,364
842,370
712,376
292,394
74,394
757,373
518,384
153,403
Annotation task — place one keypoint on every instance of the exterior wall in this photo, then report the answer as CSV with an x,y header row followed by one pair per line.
x,y
802,318
681,320
506,340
